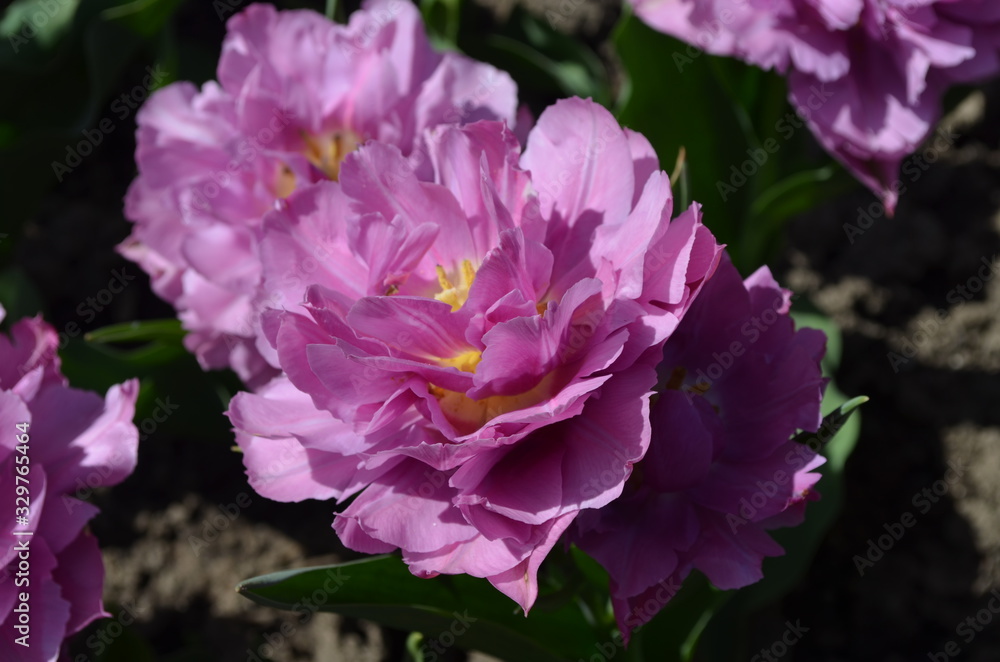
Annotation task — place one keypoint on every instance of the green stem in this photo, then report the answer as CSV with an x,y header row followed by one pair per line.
x,y
331,10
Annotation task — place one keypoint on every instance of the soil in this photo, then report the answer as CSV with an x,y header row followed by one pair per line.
x,y
919,305
926,353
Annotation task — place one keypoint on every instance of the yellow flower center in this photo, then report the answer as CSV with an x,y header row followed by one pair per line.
x,y
455,295
465,413
468,415
676,382
326,152
466,361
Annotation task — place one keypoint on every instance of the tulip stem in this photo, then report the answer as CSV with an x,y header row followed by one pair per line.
x,y
331,9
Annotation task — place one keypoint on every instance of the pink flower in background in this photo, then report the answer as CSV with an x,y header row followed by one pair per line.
x,y
868,75
75,440
720,471
475,352
296,93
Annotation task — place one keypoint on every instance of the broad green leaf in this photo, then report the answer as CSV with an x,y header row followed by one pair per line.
x,y
674,98
381,589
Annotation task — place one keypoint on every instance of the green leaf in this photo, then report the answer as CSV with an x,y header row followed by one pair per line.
x,y
676,101
832,422
19,295
543,61
442,18
168,330
31,29
381,589
673,634
414,646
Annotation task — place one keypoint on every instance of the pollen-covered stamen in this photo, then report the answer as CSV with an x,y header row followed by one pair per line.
x,y
327,152
676,379
466,361
467,414
676,382
451,294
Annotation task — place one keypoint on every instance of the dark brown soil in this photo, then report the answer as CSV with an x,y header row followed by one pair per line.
x,y
921,327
